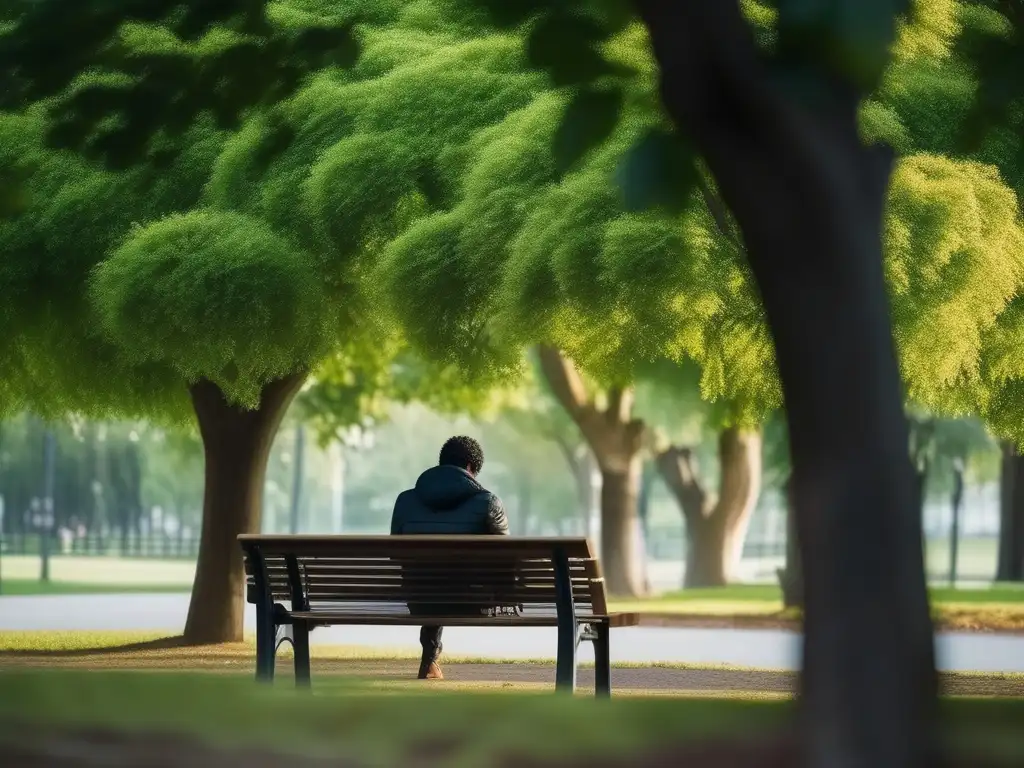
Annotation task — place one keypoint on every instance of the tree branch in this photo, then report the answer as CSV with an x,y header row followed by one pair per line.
x,y
565,381
678,469
620,404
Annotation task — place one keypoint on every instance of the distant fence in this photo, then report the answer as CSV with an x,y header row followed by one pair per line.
x,y
765,545
110,545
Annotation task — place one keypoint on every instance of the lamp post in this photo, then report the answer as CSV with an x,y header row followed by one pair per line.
x,y
1,544
300,441
954,529
48,518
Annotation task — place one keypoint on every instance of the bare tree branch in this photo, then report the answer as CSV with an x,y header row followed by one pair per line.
x,y
620,404
677,467
565,382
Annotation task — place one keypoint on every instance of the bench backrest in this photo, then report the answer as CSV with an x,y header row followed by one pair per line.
x,y
385,574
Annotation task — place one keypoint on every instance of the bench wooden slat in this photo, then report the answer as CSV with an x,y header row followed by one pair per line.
x,y
372,580
347,617
520,547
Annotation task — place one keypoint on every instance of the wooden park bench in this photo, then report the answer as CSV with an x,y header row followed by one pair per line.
x,y
301,582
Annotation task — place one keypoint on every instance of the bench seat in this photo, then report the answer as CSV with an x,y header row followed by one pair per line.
x,y
329,618
298,583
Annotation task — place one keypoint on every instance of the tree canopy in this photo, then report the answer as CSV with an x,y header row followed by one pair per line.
x,y
232,266
566,261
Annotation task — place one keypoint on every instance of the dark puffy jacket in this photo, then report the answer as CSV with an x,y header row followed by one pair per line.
x,y
448,500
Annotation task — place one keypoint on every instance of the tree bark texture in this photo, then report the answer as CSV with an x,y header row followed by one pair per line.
x,y
1011,516
236,445
616,440
808,197
716,524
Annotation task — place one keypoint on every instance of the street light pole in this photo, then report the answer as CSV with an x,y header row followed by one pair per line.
x,y
300,440
954,530
49,470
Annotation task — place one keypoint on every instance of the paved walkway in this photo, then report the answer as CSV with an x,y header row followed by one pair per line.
x,y
758,648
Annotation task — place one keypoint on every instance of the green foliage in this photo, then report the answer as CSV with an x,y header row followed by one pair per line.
x,y
955,257
241,255
175,61
589,119
162,291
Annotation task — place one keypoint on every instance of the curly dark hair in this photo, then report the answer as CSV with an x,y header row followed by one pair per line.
x,y
462,451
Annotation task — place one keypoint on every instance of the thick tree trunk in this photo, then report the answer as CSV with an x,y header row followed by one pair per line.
x,y
1010,566
620,492
616,440
808,197
236,445
715,525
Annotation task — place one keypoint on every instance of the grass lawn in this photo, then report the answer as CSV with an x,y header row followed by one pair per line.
x,y
999,607
355,722
24,587
359,723
113,571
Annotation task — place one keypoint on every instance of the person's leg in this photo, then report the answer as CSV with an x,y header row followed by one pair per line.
x,y
430,640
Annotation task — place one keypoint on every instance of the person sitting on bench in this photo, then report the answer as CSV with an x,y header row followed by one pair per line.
x,y
447,499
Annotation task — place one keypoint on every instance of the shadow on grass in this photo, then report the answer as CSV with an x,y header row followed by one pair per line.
x,y
158,644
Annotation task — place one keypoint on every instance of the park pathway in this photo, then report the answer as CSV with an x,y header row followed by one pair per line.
x,y
762,649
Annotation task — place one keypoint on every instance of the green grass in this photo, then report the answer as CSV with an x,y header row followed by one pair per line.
x,y
388,728
23,587
770,593
113,571
365,724
998,607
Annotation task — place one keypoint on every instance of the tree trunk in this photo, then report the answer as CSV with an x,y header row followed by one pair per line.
x,y
616,440
1011,516
236,445
809,197
620,491
715,526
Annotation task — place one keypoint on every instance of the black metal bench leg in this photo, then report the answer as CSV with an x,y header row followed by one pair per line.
x,y
266,645
565,665
602,661
301,646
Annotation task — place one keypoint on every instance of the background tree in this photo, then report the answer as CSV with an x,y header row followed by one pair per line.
x,y
716,523
541,417
231,290
967,100
828,316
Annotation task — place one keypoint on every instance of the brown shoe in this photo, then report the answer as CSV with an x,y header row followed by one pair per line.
x,y
434,672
